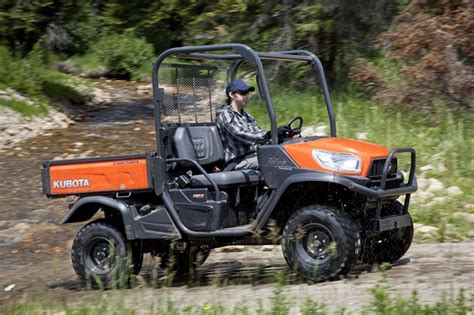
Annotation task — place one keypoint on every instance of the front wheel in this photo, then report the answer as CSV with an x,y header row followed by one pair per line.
x,y
100,255
321,242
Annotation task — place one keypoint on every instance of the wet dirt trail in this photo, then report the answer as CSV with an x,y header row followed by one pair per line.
x,y
35,248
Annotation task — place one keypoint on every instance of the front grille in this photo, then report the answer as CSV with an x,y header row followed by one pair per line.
x,y
376,168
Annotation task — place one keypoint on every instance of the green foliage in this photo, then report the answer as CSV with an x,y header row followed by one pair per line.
x,y
23,23
123,54
22,75
39,108
30,77
383,303
88,61
311,307
83,31
60,91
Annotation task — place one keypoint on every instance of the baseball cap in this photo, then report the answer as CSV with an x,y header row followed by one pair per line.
x,y
238,85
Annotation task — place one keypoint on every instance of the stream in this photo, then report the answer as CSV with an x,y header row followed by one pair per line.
x,y
124,127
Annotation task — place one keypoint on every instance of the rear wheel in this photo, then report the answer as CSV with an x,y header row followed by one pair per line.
x,y
100,255
388,246
320,242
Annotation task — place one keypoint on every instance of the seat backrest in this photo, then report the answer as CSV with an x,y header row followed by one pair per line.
x,y
200,143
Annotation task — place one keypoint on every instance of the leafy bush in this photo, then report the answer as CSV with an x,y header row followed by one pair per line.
x,y
123,54
30,77
434,58
22,75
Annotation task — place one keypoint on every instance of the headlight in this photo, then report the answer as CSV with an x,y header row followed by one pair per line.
x,y
337,161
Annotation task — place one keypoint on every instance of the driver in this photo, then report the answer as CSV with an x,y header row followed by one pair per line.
x,y
239,132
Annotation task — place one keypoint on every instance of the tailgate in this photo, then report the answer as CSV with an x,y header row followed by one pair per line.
x,y
122,173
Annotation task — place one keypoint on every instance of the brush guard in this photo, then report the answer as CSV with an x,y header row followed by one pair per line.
x,y
386,223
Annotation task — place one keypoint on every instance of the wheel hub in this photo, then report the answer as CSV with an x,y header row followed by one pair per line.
x,y
316,242
101,256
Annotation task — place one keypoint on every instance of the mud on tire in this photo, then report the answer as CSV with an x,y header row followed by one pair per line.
x,y
100,255
320,242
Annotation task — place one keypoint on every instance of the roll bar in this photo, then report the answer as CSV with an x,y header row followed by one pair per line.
x,y
242,53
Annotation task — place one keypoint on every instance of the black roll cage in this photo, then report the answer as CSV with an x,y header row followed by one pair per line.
x,y
241,54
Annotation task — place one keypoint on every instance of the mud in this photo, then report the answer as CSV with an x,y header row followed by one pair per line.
x,y
35,248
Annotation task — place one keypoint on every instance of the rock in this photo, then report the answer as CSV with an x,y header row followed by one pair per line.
x,y
468,206
435,185
426,230
423,183
230,249
437,200
11,131
469,217
67,67
307,131
321,130
441,167
9,288
425,168
454,191
422,196
269,248
22,227
362,135
143,87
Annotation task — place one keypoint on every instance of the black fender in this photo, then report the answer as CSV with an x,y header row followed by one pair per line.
x,y
286,177
86,207
155,225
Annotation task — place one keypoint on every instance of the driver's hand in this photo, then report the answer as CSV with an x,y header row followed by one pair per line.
x,y
284,131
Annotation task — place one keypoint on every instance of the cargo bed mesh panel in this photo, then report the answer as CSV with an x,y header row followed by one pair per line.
x,y
192,94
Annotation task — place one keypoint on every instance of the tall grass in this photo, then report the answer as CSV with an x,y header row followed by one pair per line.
x,y
382,303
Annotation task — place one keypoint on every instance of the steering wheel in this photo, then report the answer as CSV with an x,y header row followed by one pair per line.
x,y
291,129
295,129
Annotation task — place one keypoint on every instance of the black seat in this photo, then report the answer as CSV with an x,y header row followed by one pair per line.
x,y
204,145
200,143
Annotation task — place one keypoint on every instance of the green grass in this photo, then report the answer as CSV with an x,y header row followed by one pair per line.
x,y
87,62
441,138
382,302
38,108
59,91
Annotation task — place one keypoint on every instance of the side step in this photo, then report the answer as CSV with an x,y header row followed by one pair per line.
x,y
245,229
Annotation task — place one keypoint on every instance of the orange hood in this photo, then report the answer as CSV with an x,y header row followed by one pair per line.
x,y
301,152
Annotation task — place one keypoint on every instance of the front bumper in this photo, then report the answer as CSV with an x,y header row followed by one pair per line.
x,y
379,191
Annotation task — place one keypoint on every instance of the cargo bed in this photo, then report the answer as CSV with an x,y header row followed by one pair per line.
x,y
113,174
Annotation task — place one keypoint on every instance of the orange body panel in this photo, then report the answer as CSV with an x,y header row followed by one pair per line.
x,y
100,176
301,152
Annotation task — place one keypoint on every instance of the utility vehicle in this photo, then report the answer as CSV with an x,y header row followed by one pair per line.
x,y
331,202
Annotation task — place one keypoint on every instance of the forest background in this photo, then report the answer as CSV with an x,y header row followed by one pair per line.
x,y
401,71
